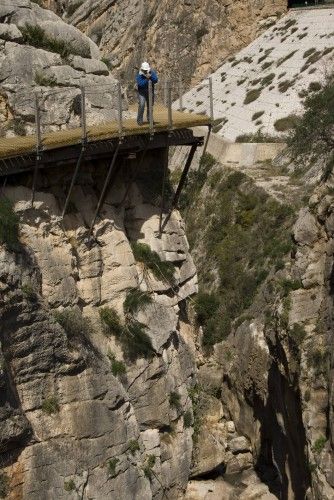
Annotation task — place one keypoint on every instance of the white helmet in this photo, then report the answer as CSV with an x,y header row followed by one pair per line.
x,y
145,66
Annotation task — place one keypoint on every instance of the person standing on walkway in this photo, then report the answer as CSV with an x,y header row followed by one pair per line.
x,y
145,75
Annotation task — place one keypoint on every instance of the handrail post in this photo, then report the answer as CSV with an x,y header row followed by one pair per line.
x,y
180,186
211,99
120,110
38,147
166,92
169,105
150,107
83,115
180,95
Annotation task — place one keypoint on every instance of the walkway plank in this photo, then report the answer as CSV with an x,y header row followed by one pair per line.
x,y
14,146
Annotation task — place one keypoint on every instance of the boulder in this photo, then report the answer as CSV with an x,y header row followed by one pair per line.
x,y
306,230
239,444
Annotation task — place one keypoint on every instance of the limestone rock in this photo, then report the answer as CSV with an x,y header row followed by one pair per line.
x,y
88,424
195,30
239,463
305,230
90,66
10,32
25,68
239,445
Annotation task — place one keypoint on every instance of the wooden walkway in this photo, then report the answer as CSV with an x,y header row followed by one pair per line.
x,y
20,145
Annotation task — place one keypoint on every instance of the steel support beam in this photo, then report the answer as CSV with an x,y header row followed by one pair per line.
x,y
211,99
207,140
180,185
180,95
134,175
150,107
163,187
111,171
38,148
82,151
184,176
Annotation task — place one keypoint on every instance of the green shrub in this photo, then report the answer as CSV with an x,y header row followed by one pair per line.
x,y
150,462
50,405
107,62
136,342
132,336
18,126
74,323
117,367
4,484
206,306
285,85
111,320
162,270
314,58
73,7
267,80
252,95
28,291
319,444
201,32
286,58
315,87
257,115
267,65
196,180
327,50
241,81
44,80
133,446
308,52
69,485
289,23
288,285
135,300
175,400
284,124
216,126
187,419
317,358
111,464
258,137
313,134
297,333
207,161
9,224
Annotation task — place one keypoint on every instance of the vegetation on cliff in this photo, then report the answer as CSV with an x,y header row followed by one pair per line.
x,y
238,234
312,135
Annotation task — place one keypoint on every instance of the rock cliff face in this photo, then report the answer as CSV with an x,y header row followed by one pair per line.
x,y
72,421
40,54
270,376
181,39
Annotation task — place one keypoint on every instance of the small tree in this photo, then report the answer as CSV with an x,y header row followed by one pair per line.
x,y
313,134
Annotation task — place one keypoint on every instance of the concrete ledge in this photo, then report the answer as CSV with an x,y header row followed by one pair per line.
x,y
241,153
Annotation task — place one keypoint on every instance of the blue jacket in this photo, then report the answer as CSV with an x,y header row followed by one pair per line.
x,y
142,83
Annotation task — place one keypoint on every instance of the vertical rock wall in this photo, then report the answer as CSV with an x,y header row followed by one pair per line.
x,y
69,425
182,39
